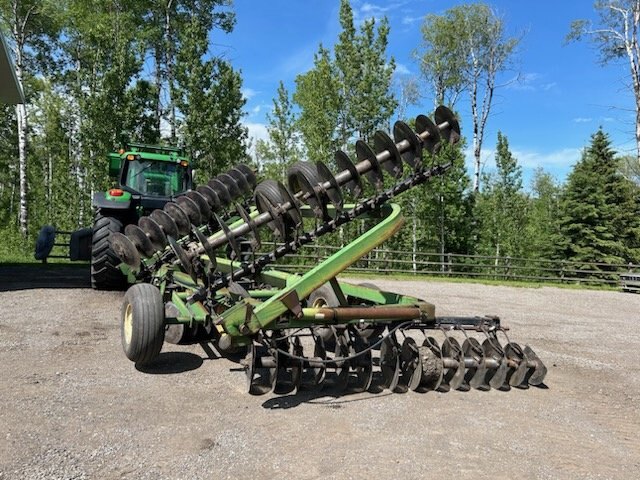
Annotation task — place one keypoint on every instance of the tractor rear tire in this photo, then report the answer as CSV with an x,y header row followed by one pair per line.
x,y
105,274
142,327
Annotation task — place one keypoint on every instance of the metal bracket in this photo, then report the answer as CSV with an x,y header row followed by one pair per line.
x,y
292,302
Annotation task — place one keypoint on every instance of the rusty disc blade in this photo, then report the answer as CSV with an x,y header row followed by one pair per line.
x,y
411,363
254,235
179,216
514,353
139,239
451,349
540,370
208,249
249,174
183,259
374,174
174,333
222,191
276,225
384,143
390,362
432,364
154,232
190,208
231,184
343,162
201,202
412,156
212,197
165,221
125,250
241,181
230,237
333,192
430,142
451,133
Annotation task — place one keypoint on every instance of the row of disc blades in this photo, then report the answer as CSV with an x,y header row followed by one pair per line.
x,y
347,362
314,184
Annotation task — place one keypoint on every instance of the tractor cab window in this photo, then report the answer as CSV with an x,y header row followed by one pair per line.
x,y
156,178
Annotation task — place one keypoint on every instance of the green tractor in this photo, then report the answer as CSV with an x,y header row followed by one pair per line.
x,y
146,178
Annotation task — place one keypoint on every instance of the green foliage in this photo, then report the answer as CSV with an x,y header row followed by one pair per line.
x,y
542,228
349,94
502,207
283,147
599,219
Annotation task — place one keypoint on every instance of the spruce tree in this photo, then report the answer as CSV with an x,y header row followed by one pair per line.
x,y
599,209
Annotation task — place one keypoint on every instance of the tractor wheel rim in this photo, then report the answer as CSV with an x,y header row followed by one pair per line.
x,y
128,324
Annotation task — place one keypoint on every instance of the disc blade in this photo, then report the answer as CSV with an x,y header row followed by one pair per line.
x,y
540,370
165,221
241,181
139,239
411,363
390,362
222,191
249,174
451,133
231,184
412,155
211,196
514,353
384,143
333,192
230,237
254,235
208,249
154,232
183,259
201,202
276,225
179,216
125,250
432,365
343,162
374,173
190,208
431,137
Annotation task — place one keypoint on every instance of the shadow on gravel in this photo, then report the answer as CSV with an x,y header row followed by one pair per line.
x,y
30,276
172,362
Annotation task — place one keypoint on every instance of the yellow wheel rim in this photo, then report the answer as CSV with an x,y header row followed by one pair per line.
x,y
128,323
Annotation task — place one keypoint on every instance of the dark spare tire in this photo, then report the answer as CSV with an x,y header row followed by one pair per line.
x,y
105,274
142,327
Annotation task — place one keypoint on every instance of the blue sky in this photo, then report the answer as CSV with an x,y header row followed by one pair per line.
x,y
563,96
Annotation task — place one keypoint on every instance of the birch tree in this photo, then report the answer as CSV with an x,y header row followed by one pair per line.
x,y
616,35
465,50
29,23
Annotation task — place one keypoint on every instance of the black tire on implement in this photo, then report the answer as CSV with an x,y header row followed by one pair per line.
x,y
142,327
105,274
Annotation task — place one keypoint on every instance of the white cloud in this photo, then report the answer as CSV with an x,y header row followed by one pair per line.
x,y
582,119
410,20
249,93
527,159
368,10
255,110
530,82
401,69
257,131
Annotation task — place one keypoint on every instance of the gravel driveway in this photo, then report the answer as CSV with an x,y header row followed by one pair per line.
x,y
74,407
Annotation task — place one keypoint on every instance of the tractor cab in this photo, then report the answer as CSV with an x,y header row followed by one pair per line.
x,y
151,170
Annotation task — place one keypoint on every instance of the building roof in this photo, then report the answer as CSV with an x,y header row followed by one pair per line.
x,y
10,91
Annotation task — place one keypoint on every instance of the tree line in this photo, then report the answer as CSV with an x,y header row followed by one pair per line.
x,y
100,73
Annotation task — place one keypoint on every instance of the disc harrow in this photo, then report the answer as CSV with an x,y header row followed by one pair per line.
x,y
201,255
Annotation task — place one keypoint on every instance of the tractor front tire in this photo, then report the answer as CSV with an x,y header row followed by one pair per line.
x,y
105,274
142,327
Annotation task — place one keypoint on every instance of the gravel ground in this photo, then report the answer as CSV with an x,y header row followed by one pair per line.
x,y
74,407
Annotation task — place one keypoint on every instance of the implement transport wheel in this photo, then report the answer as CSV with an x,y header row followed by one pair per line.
x,y
105,274
142,323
